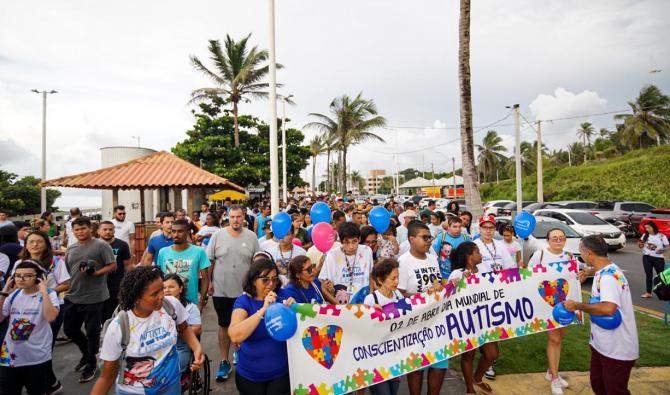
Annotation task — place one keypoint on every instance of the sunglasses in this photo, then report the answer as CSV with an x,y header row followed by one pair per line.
x,y
309,269
426,238
268,280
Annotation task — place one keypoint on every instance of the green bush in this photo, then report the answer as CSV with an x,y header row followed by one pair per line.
x,y
640,175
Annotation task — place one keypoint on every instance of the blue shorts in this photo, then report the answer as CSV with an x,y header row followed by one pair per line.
x,y
437,365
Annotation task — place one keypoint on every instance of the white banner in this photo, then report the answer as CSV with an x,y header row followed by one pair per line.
x,y
341,348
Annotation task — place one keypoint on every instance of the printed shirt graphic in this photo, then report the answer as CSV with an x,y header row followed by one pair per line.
x,y
653,243
621,343
152,361
28,338
283,258
416,275
339,268
186,264
494,256
443,244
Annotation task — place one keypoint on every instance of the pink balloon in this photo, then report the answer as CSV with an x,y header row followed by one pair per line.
x,y
323,236
297,242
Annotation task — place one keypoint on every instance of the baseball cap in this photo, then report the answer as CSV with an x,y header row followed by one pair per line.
x,y
487,218
408,213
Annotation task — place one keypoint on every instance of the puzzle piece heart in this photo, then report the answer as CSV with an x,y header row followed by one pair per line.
x,y
554,292
323,344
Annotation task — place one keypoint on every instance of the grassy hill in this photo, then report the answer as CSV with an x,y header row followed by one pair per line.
x,y
641,175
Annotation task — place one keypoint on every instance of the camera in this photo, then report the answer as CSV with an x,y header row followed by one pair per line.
x,y
87,267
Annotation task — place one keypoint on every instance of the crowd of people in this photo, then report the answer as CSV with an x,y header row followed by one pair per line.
x,y
142,315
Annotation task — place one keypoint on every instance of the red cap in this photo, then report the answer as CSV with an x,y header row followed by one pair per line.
x,y
487,218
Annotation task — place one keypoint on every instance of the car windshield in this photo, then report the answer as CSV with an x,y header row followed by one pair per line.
x,y
582,205
586,219
543,227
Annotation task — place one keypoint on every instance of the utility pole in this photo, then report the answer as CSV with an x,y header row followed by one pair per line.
x,y
540,176
274,171
569,158
432,168
519,191
43,191
283,149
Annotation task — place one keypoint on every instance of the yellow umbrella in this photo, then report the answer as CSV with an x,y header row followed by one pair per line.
x,y
227,193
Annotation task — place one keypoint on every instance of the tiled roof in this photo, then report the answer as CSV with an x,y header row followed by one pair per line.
x,y
158,170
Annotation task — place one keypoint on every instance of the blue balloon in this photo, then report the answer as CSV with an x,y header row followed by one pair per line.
x,y
380,219
320,213
281,224
205,241
280,321
562,315
605,321
359,297
524,224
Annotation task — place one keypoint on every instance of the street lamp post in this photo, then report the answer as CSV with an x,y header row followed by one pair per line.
x,y
274,171
284,99
43,191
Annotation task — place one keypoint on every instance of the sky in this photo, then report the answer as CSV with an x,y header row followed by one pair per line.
x,y
122,71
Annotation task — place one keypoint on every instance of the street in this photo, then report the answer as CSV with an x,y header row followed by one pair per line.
x,y
67,355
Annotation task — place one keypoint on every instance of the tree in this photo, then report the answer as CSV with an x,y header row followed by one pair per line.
x,y
490,156
586,131
351,122
528,164
472,197
315,149
211,138
21,196
238,74
357,180
650,117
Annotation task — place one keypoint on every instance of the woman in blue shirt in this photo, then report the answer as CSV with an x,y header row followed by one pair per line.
x,y
262,366
303,285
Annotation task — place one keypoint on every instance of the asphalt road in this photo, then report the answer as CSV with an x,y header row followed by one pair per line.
x,y
67,355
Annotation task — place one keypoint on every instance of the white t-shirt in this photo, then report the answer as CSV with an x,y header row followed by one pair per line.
x,y
123,230
152,360
28,338
282,259
654,243
4,263
266,244
457,274
512,248
435,229
383,300
208,230
494,256
193,316
621,343
348,273
405,246
543,256
69,233
416,275
56,275
401,234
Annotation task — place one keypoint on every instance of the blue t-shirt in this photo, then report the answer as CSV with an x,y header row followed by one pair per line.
x,y
260,358
302,295
158,242
443,245
186,264
261,224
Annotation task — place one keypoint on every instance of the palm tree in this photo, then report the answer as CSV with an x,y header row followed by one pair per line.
x,y
490,156
357,180
237,74
586,131
650,117
350,123
315,149
528,154
472,198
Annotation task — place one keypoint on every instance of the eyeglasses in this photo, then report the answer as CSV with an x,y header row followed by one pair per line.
x,y
558,238
268,280
487,227
24,276
426,238
308,269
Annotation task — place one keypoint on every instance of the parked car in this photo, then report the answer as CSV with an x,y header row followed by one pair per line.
x,y
538,239
633,212
587,224
659,216
576,204
531,208
494,206
510,208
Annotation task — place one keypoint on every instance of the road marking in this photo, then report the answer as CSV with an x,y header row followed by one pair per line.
x,y
655,313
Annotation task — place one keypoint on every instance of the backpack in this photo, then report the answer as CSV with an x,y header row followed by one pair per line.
x,y
124,323
662,285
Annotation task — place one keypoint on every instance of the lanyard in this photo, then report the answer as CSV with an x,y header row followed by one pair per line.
x,y
350,269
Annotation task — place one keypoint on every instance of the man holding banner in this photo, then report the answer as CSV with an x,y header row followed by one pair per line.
x,y
613,351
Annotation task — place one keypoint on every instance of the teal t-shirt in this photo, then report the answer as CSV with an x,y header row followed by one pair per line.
x,y
443,245
186,264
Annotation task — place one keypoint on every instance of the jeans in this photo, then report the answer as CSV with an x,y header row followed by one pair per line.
x,y
90,315
389,387
184,355
609,376
650,264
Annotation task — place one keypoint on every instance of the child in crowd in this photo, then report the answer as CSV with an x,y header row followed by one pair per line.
x,y
513,246
173,285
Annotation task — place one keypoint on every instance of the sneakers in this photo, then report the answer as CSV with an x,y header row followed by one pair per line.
x,y
556,387
81,365
88,374
224,371
57,388
548,376
490,373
